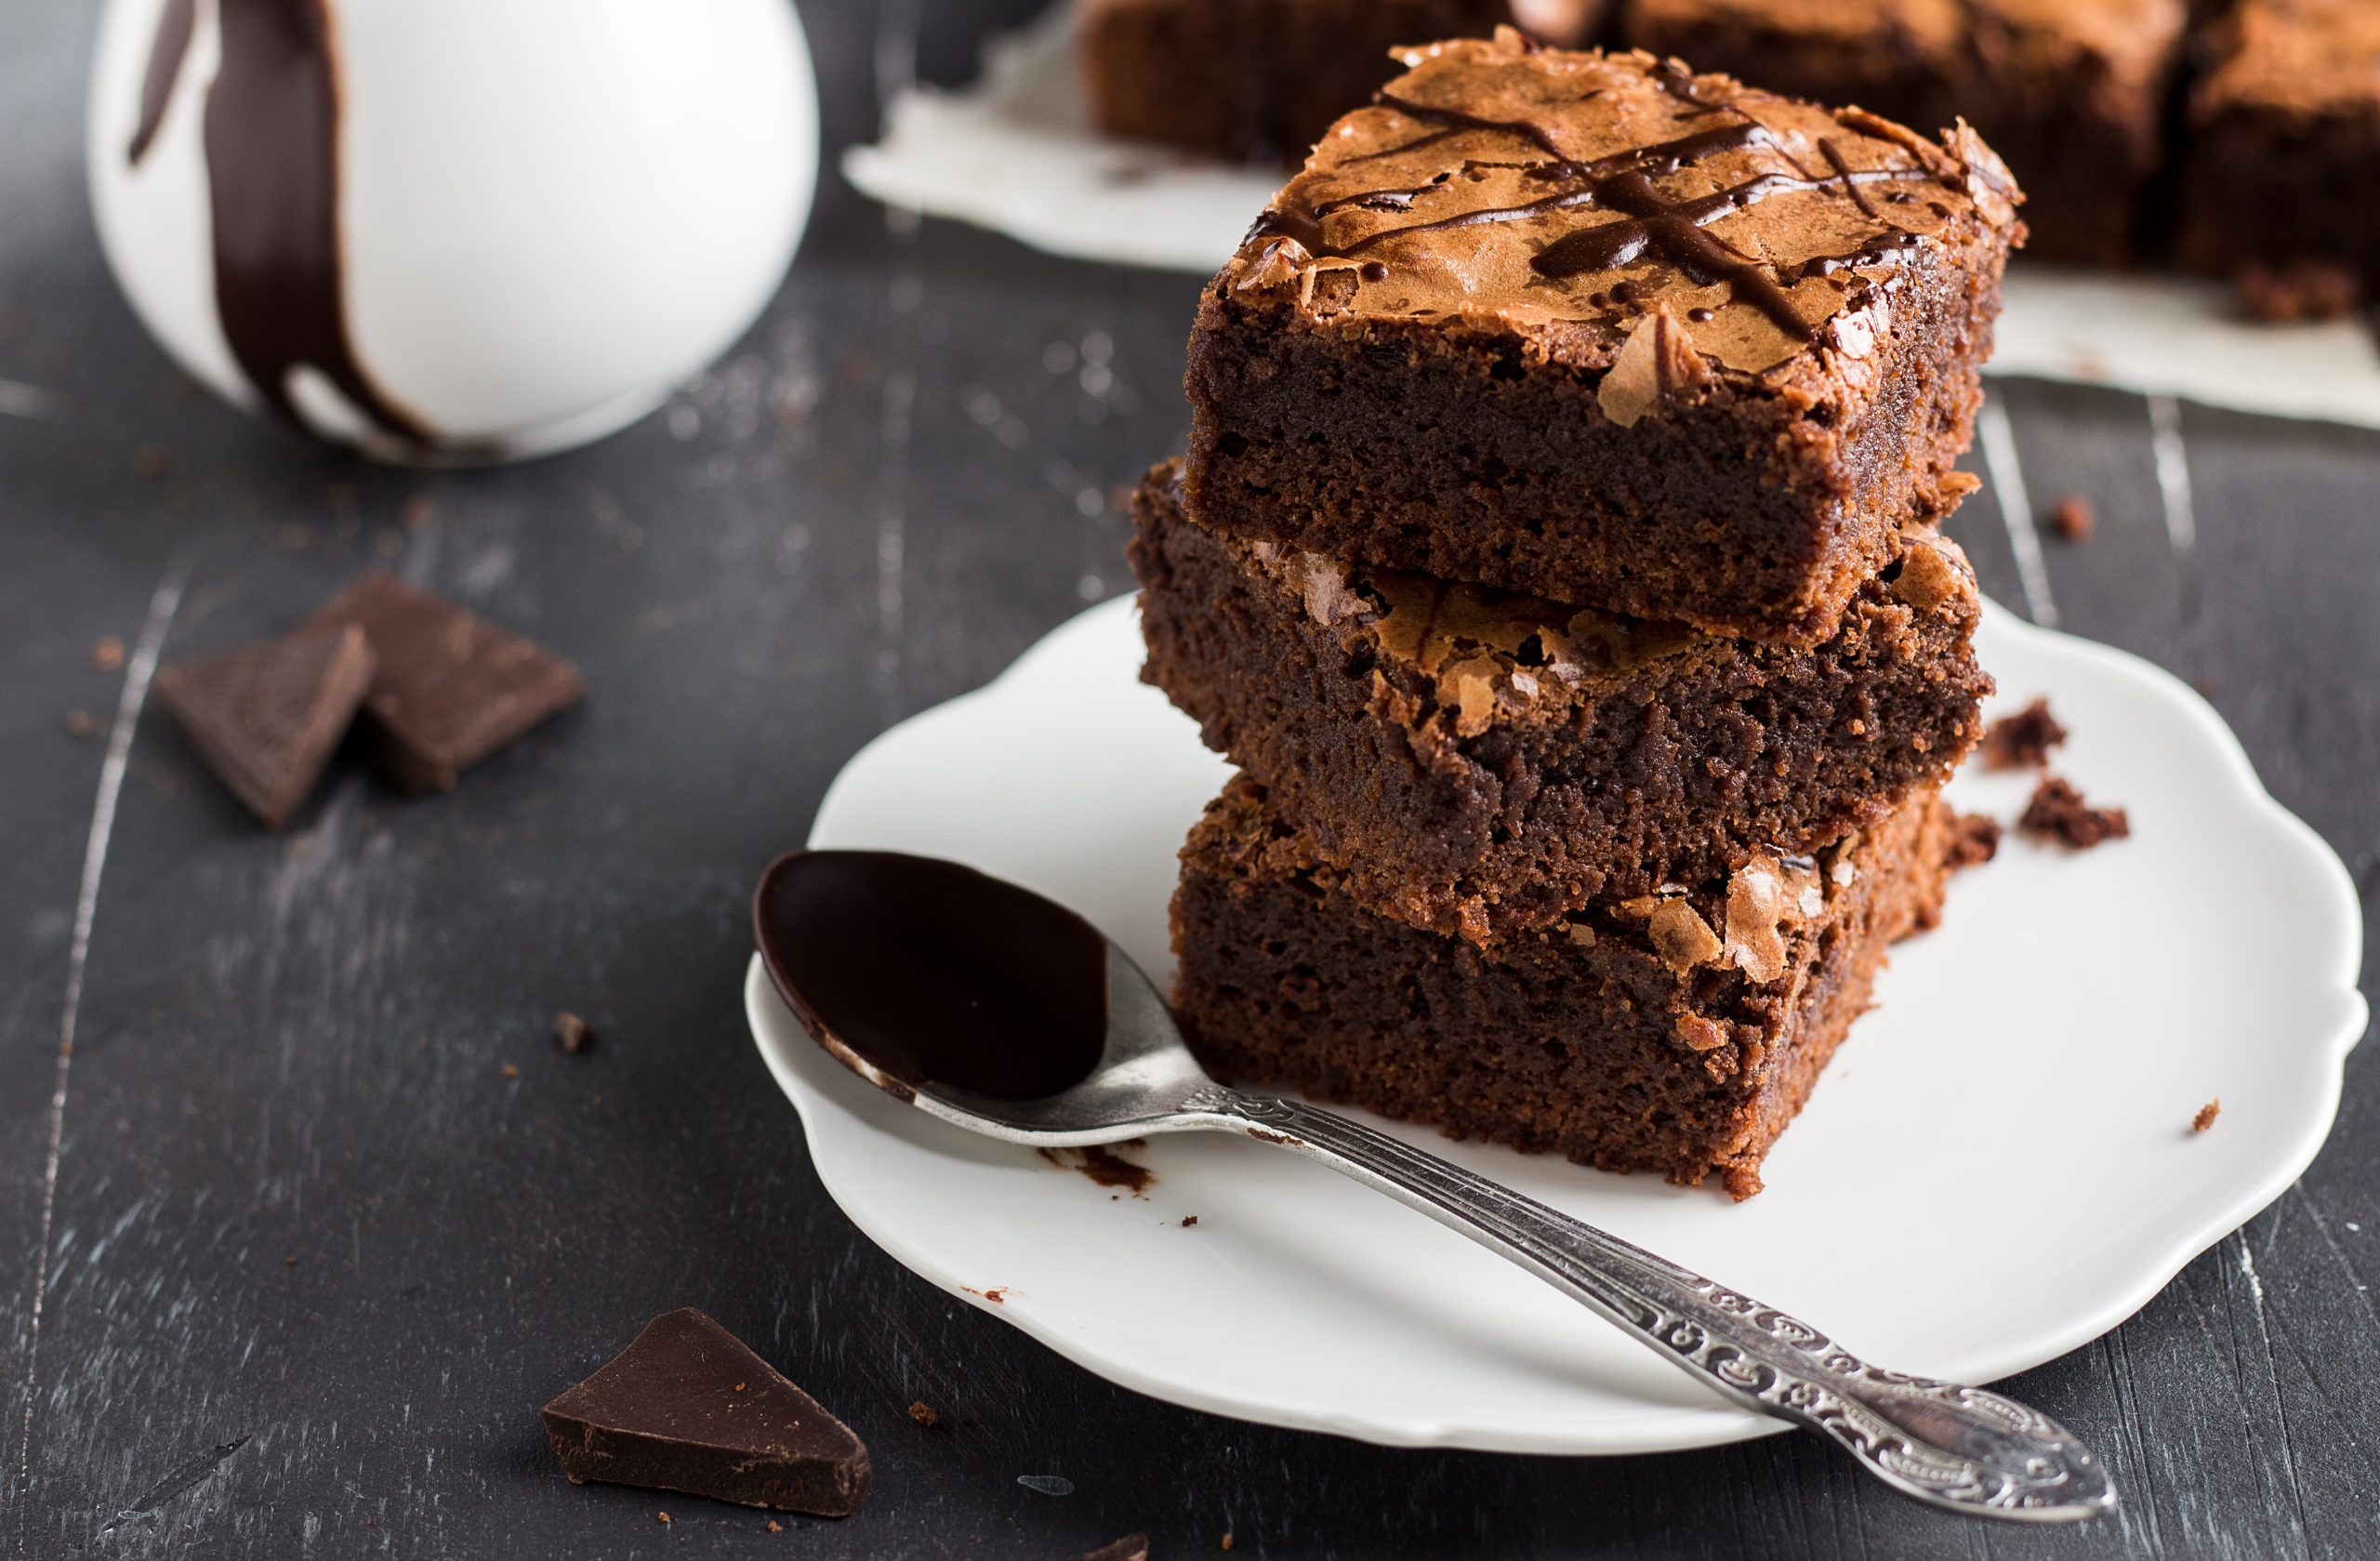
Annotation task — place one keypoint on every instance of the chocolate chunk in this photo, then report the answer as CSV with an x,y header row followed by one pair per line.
x,y
687,1407
2058,812
452,688
1131,1547
266,718
2022,741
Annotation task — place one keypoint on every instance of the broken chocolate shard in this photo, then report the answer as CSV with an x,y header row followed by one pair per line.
x,y
687,1407
266,718
452,688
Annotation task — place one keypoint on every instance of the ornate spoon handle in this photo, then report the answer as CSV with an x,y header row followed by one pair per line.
x,y
1959,1448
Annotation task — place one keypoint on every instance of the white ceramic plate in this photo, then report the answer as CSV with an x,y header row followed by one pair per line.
x,y
1998,1166
1016,154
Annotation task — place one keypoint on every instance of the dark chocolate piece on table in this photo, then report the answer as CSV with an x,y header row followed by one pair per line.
x,y
687,1407
452,688
1585,326
2058,812
2022,741
266,718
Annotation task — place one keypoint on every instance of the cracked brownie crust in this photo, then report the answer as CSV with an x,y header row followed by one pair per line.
x,y
1675,1033
1586,326
1477,761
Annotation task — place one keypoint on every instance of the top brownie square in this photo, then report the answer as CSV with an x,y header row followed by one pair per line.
x,y
1590,326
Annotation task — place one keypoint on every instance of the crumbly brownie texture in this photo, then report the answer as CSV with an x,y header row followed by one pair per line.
x,y
1474,761
2071,92
1676,1034
2022,741
1586,326
2282,167
2058,812
1263,79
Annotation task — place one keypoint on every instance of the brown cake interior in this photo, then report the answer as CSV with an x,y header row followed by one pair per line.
x,y
1677,1034
1476,760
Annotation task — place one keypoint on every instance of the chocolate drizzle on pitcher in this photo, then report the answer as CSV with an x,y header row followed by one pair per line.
x,y
1648,221
272,136
931,972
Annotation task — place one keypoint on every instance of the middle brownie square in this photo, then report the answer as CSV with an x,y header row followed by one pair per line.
x,y
1475,761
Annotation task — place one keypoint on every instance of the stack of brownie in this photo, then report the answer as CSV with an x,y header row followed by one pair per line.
x,y
1556,556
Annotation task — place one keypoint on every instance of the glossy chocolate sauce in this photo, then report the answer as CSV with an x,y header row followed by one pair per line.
x,y
935,972
272,131
1622,182
174,25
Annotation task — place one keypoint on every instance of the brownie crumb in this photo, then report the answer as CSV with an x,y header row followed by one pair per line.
x,y
775,1528
80,724
2074,518
1189,1220
510,1071
2022,741
923,1413
1974,839
107,655
2058,812
2297,290
1226,1542
2206,1115
663,1516
1131,1547
573,1032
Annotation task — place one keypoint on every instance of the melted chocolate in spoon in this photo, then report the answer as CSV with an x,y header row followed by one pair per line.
x,y
932,972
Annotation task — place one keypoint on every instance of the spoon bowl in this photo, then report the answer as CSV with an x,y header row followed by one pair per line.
x,y
868,947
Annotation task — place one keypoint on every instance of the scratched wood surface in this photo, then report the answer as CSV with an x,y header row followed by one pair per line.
x,y
287,1259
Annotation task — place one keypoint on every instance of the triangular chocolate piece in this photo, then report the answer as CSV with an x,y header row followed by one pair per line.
x,y
266,718
687,1407
452,688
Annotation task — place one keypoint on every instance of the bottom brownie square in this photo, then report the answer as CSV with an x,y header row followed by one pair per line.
x,y
1676,1033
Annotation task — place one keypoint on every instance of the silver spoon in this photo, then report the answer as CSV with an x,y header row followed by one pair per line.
x,y
985,1005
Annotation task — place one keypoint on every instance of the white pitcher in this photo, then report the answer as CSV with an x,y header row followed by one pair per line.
x,y
451,230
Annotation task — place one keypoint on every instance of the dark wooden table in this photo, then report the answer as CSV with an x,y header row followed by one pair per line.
x,y
289,1256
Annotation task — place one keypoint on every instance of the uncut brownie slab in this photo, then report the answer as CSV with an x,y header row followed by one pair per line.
x,y
1474,761
1675,1033
1585,326
2073,93
1263,79
2283,162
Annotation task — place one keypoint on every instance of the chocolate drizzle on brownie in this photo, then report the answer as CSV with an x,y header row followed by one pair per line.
x,y
1668,226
